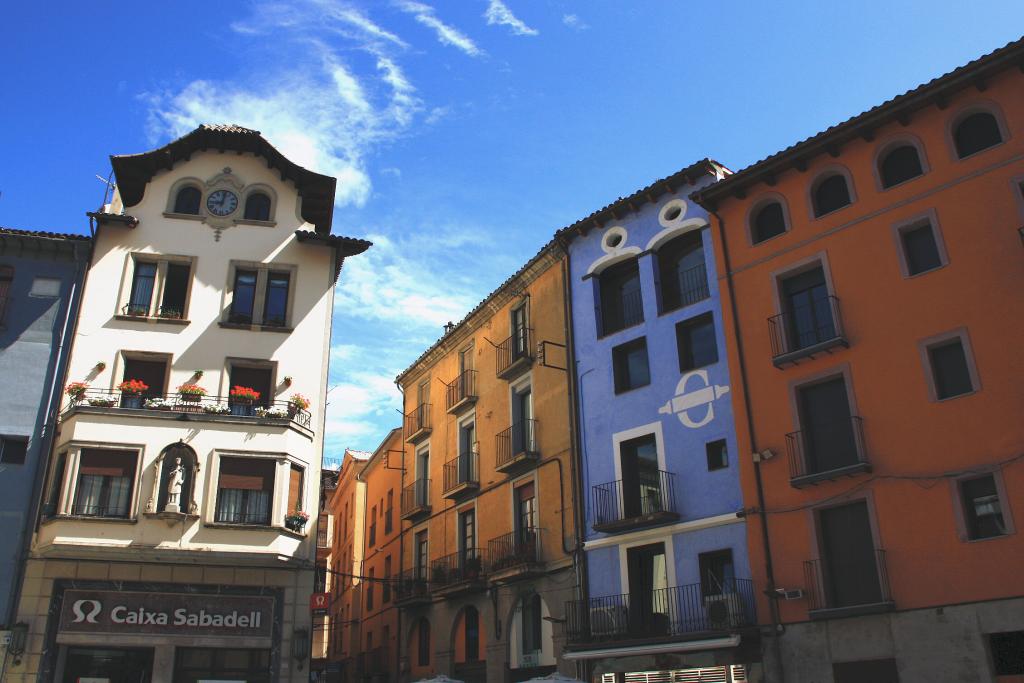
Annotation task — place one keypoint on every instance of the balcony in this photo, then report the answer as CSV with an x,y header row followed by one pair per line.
x,y
462,475
647,501
833,453
621,312
416,499
459,573
850,590
514,555
516,448
417,423
182,407
806,331
512,356
412,588
689,287
323,537
679,613
461,393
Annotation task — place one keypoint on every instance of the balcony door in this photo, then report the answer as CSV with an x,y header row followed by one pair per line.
x,y
648,589
526,519
849,559
421,558
828,439
522,421
520,337
467,537
422,477
807,308
467,442
641,493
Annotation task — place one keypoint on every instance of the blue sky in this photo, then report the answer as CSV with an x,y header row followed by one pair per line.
x,y
463,133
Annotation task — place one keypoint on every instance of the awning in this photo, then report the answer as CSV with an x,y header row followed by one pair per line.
x,y
654,649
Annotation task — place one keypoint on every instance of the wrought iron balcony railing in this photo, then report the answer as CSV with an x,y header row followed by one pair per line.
x,y
666,612
625,311
647,499
464,566
514,353
819,454
417,422
686,288
191,405
416,498
848,587
462,391
515,444
462,473
806,330
514,549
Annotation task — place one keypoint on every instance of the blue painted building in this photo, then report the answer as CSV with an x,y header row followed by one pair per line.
x,y
668,579
40,279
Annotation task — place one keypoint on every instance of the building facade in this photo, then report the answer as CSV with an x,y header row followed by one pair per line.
x,y
174,542
668,579
872,277
40,282
487,497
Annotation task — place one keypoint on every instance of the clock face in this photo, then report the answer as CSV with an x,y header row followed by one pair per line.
x,y
221,202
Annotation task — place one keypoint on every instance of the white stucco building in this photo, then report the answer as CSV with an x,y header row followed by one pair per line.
x,y
171,546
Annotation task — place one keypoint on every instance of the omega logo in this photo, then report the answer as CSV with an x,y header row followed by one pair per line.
x,y
81,615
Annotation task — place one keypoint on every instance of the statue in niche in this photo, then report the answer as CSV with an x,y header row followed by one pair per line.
x,y
175,479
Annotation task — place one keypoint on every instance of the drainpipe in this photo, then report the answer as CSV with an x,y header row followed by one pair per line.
x,y
575,428
777,674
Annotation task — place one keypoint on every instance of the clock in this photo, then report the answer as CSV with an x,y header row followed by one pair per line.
x,y
221,202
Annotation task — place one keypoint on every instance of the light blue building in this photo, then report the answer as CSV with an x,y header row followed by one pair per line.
x,y
668,579
40,281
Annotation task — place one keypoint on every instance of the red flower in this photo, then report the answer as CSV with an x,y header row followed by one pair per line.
x,y
245,393
132,386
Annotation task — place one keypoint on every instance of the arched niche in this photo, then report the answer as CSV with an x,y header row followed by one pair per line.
x,y
169,459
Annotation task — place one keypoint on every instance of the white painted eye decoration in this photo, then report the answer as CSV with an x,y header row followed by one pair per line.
x,y
672,214
614,239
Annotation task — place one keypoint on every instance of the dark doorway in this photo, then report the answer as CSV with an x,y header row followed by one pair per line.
x,y
828,439
194,664
115,665
848,553
648,589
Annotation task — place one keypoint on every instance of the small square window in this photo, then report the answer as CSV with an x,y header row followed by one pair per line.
x,y
13,450
630,365
920,249
696,341
983,511
718,455
949,369
45,287
1007,653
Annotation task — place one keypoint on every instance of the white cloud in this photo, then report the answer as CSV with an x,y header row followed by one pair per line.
x,y
574,22
318,112
499,13
448,35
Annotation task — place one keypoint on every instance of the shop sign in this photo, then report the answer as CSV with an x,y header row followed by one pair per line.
x,y
90,611
319,604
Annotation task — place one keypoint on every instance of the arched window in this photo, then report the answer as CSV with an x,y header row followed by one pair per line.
x,y
767,222
682,275
830,194
177,465
976,132
423,642
899,165
257,207
6,277
187,200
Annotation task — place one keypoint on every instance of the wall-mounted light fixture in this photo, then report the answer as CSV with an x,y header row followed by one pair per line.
x,y
300,645
19,634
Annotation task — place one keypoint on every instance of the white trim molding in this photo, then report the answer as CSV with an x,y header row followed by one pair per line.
x,y
662,531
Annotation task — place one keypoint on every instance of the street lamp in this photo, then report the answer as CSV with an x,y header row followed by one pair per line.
x,y
300,645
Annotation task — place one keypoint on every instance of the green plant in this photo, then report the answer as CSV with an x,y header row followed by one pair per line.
x,y
76,390
189,389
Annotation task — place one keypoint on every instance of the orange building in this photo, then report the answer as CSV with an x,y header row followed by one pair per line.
x,y
339,560
381,560
873,279
488,494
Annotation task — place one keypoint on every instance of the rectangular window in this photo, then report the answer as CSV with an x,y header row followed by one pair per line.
x,y
105,483
630,365
647,571
243,298
13,450
827,440
373,527
849,560
421,559
387,580
370,585
1007,653
152,372
717,575
175,296
621,301
143,284
47,287
695,339
169,278
520,335
245,491
920,248
950,372
295,488
467,533
275,307
472,618
6,277
52,506
874,670
983,511
682,276
389,512
718,455
641,480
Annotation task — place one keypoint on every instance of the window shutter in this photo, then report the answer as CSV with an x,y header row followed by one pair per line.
x,y
106,463
242,473
294,489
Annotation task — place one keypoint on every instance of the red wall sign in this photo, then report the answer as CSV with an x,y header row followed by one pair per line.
x,y
319,603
